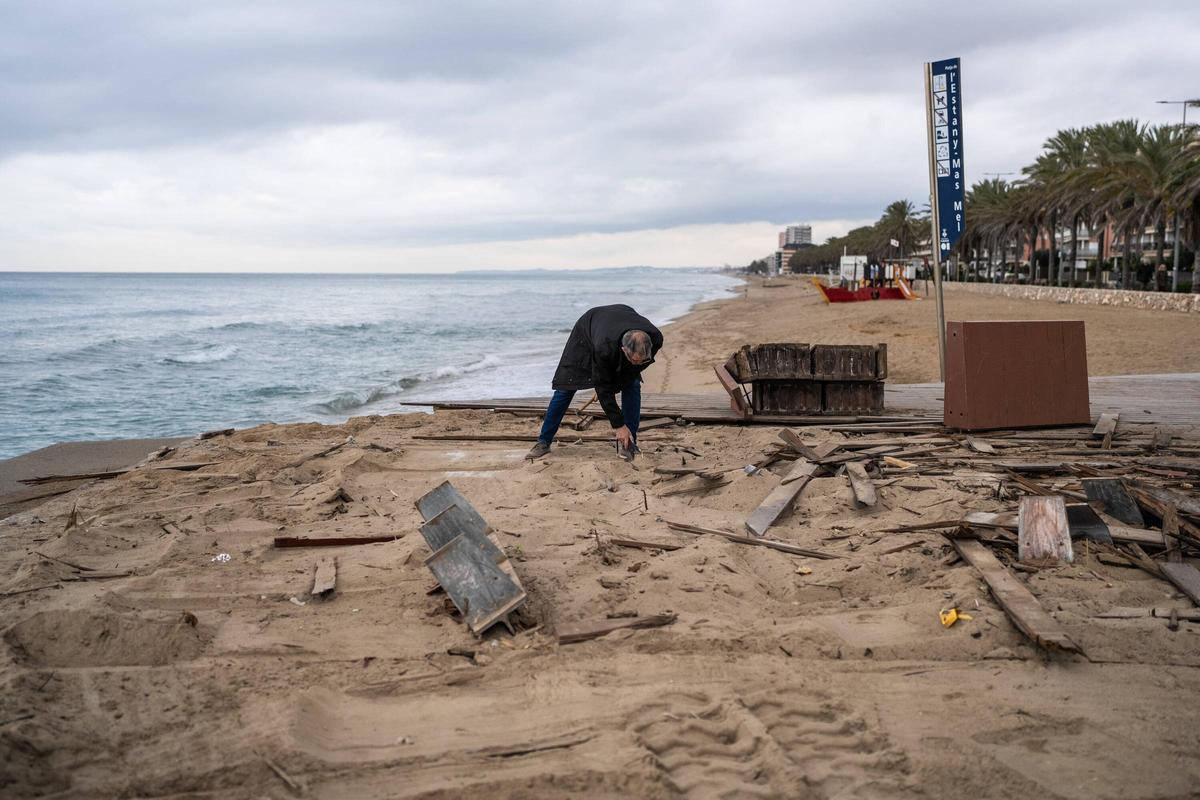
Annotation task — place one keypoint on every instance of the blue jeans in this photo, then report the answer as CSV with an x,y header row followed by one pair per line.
x,y
631,408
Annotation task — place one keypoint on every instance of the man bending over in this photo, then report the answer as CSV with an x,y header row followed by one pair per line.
x,y
607,350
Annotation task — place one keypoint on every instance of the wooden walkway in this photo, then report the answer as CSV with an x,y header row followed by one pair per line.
x,y
1159,399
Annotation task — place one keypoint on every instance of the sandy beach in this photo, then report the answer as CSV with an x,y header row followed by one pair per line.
x,y
157,644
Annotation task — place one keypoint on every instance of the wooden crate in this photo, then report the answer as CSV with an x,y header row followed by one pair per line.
x,y
798,378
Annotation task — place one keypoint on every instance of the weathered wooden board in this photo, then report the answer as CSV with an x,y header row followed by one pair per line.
x,y
1017,601
332,541
458,521
481,591
441,497
844,362
1043,533
787,397
1110,496
1106,426
781,497
324,578
1084,521
737,399
581,632
861,484
782,547
1121,533
853,397
1186,579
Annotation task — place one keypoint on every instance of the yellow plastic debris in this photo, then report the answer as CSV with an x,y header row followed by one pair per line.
x,y
949,616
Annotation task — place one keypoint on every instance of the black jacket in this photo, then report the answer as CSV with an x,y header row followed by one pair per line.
x,y
593,357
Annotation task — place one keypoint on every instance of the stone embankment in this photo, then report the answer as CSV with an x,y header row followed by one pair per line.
x,y
1158,301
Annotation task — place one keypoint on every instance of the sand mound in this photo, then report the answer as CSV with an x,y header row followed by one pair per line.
x,y
64,638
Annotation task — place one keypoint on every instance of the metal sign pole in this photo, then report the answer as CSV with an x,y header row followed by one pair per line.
x,y
935,240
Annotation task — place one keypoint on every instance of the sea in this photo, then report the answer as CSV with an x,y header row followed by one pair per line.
x,y
87,356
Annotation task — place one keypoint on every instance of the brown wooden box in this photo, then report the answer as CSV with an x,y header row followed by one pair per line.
x,y
1015,374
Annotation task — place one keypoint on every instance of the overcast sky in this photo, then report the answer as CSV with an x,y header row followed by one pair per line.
x,y
388,136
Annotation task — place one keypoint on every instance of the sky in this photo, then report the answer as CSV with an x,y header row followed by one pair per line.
x,y
422,137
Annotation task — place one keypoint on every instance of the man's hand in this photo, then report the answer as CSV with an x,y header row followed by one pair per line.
x,y
624,436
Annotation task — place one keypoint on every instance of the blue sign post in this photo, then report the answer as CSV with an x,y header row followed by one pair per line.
x,y
943,111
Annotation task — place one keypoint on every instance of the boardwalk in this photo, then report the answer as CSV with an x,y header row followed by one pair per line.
x,y
1161,399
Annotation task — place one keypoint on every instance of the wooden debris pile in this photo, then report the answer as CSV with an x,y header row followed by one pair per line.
x,y
1128,493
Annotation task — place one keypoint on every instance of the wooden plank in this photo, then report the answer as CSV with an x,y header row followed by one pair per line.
x,y
1015,598
781,497
979,445
1186,579
1120,533
1106,426
782,547
441,497
332,541
640,545
861,484
1043,533
324,578
582,632
482,592
737,399
1110,496
458,521
1084,521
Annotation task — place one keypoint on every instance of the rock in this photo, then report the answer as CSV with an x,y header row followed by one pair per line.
x,y
611,581
658,575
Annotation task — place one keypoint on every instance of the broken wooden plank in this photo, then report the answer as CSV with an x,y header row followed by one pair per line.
x,y
737,399
782,547
979,445
1112,497
1043,533
861,484
455,521
332,541
640,545
659,422
1083,521
582,632
479,588
1120,533
1185,577
1026,613
1105,428
781,498
324,578
215,434
708,485
441,497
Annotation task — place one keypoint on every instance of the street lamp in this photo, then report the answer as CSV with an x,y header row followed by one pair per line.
x,y
1195,102
1175,224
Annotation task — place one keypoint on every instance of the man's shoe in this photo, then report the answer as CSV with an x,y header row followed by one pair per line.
x,y
537,451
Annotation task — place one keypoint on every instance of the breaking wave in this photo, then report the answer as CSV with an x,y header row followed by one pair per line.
x,y
347,402
209,354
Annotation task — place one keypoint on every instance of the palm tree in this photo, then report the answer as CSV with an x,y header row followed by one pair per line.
x,y
1099,182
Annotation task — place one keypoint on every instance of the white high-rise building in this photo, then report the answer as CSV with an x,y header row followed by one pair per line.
x,y
797,234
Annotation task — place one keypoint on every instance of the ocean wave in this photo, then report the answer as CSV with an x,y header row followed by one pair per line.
x,y
209,354
347,402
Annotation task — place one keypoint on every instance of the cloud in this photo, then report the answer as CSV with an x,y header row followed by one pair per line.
x,y
392,132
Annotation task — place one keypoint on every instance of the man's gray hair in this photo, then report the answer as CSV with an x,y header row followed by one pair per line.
x,y
637,343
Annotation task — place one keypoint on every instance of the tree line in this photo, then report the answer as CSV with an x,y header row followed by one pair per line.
x,y
1125,180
